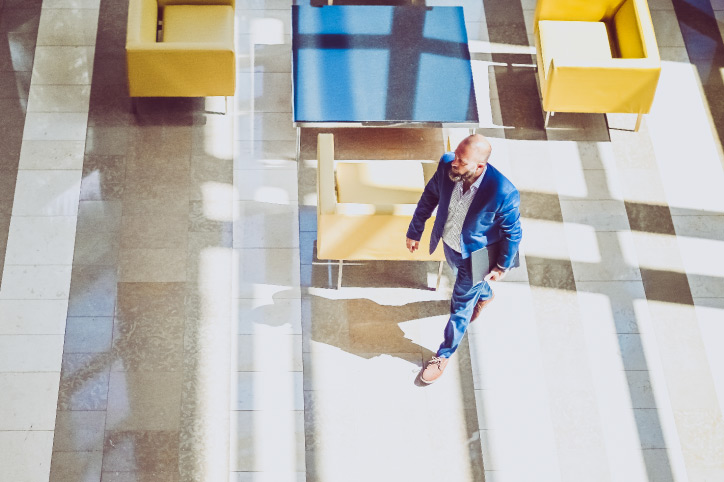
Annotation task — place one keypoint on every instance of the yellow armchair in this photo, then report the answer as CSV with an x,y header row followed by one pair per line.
x,y
597,56
365,207
191,56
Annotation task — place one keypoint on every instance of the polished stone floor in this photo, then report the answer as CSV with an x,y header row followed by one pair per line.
x,y
164,316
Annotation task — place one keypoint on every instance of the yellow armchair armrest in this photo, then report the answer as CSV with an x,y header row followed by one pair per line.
x,y
619,85
180,69
142,21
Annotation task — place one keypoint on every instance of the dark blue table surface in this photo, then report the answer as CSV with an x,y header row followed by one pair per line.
x,y
381,64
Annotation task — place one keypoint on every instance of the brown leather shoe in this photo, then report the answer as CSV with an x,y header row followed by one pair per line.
x,y
479,307
433,369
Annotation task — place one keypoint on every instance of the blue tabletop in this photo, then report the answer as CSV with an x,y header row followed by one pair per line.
x,y
381,64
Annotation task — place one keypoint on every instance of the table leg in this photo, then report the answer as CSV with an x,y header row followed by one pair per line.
x,y
299,143
339,275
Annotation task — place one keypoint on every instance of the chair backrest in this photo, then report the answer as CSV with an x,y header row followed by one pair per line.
x,y
326,195
142,21
628,32
581,10
163,3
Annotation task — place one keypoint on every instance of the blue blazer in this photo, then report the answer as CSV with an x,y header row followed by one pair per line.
x,y
493,215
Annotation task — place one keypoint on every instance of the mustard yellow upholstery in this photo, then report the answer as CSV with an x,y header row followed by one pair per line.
x,y
596,56
195,55
365,207
397,182
198,23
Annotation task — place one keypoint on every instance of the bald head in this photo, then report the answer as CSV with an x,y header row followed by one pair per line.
x,y
475,148
471,157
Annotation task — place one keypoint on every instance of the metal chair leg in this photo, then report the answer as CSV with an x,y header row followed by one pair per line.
x,y
439,275
548,117
339,275
299,143
638,122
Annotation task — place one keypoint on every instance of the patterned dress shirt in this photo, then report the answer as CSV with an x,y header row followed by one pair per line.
x,y
459,206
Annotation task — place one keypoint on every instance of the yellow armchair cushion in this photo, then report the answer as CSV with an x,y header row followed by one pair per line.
x,y
198,23
380,182
571,42
371,237
628,34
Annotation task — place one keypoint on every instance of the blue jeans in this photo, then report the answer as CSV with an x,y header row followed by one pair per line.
x,y
463,300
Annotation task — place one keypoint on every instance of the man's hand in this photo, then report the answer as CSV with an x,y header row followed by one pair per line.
x,y
496,274
412,245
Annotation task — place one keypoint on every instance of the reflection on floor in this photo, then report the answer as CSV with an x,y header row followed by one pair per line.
x,y
164,317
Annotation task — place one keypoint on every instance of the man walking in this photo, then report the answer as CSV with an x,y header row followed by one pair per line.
x,y
477,207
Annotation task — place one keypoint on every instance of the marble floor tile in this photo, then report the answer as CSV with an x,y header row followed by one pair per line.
x,y
591,184
264,155
601,215
14,110
88,334
25,455
667,29
211,217
20,20
35,283
15,85
642,186
99,217
266,225
271,476
255,22
266,186
41,240
267,441
107,140
140,401
269,126
28,401
152,265
84,382
269,352
81,466
55,126
59,98
21,48
140,451
260,92
265,58
278,316
619,306
63,65
93,291
46,155
267,272
138,301
150,232
174,186
99,249
39,317
79,431
148,343
17,353
68,26
47,193
611,258
268,390
9,151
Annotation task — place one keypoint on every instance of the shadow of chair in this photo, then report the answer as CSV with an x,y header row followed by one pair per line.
x,y
596,56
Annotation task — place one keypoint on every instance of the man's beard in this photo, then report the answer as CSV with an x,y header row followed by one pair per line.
x,y
466,176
